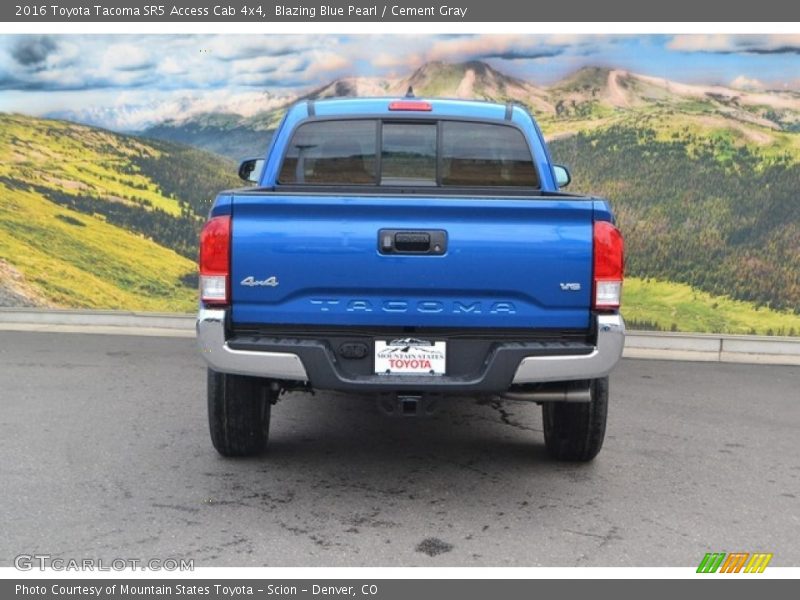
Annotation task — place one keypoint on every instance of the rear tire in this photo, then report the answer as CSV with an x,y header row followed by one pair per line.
x,y
575,431
238,413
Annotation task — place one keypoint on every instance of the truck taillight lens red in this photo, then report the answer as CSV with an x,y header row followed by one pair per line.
x,y
412,105
215,252
608,266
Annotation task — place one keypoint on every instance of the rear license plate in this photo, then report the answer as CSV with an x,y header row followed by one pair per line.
x,y
410,356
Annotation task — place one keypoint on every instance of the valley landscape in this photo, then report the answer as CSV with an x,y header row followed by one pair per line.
x,y
703,178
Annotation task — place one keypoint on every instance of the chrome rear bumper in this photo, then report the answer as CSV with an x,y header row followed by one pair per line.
x,y
531,369
606,355
220,357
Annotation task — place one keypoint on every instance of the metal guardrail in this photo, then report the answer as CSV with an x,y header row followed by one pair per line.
x,y
713,347
701,347
108,318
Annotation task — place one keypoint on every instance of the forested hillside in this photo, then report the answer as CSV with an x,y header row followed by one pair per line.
x,y
698,210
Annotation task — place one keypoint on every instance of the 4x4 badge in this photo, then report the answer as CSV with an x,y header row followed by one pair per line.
x,y
253,282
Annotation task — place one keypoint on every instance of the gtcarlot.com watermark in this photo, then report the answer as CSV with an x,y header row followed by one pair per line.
x,y
44,562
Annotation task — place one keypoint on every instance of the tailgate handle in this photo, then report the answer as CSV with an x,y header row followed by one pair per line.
x,y
395,241
412,241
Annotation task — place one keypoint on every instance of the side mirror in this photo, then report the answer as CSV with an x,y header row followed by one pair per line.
x,y
250,169
562,175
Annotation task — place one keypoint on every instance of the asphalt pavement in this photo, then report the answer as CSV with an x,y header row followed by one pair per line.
x,y
106,454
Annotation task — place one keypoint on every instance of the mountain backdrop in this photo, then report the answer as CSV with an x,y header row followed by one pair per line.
x,y
704,180
590,99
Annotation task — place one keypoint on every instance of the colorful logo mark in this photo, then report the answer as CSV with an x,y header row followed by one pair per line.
x,y
735,562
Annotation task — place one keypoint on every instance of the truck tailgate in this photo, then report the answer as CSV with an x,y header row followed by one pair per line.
x,y
509,262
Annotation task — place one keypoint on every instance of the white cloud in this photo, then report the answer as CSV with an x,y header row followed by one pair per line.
x,y
167,62
393,60
743,82
326,64
66,54
172,66
229,47
758,44
406,52
138,109
126,57
481,45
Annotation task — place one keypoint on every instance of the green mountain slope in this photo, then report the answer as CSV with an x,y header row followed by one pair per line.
x,y
652,304
89,218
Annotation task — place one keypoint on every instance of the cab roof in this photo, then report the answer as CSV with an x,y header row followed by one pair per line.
x,y
439,107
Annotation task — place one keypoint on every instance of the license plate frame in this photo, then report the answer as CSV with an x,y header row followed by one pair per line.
x,y
410,356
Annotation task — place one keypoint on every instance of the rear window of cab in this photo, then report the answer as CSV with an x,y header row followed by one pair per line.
x,y
408,153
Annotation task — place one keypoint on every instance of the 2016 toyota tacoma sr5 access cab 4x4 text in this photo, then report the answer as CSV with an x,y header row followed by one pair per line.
x,y
410,249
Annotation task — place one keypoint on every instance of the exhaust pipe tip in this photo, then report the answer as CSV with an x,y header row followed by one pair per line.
x,y
570,392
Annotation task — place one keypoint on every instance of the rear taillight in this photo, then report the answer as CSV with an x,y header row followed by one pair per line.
x,y
215,265
608,266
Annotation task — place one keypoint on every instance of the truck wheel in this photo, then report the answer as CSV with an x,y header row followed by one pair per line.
x,y
238,413
575,431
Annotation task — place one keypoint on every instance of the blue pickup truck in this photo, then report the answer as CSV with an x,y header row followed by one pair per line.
x,y
409,249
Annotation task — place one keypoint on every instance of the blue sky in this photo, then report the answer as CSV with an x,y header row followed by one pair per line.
x,y
171,74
